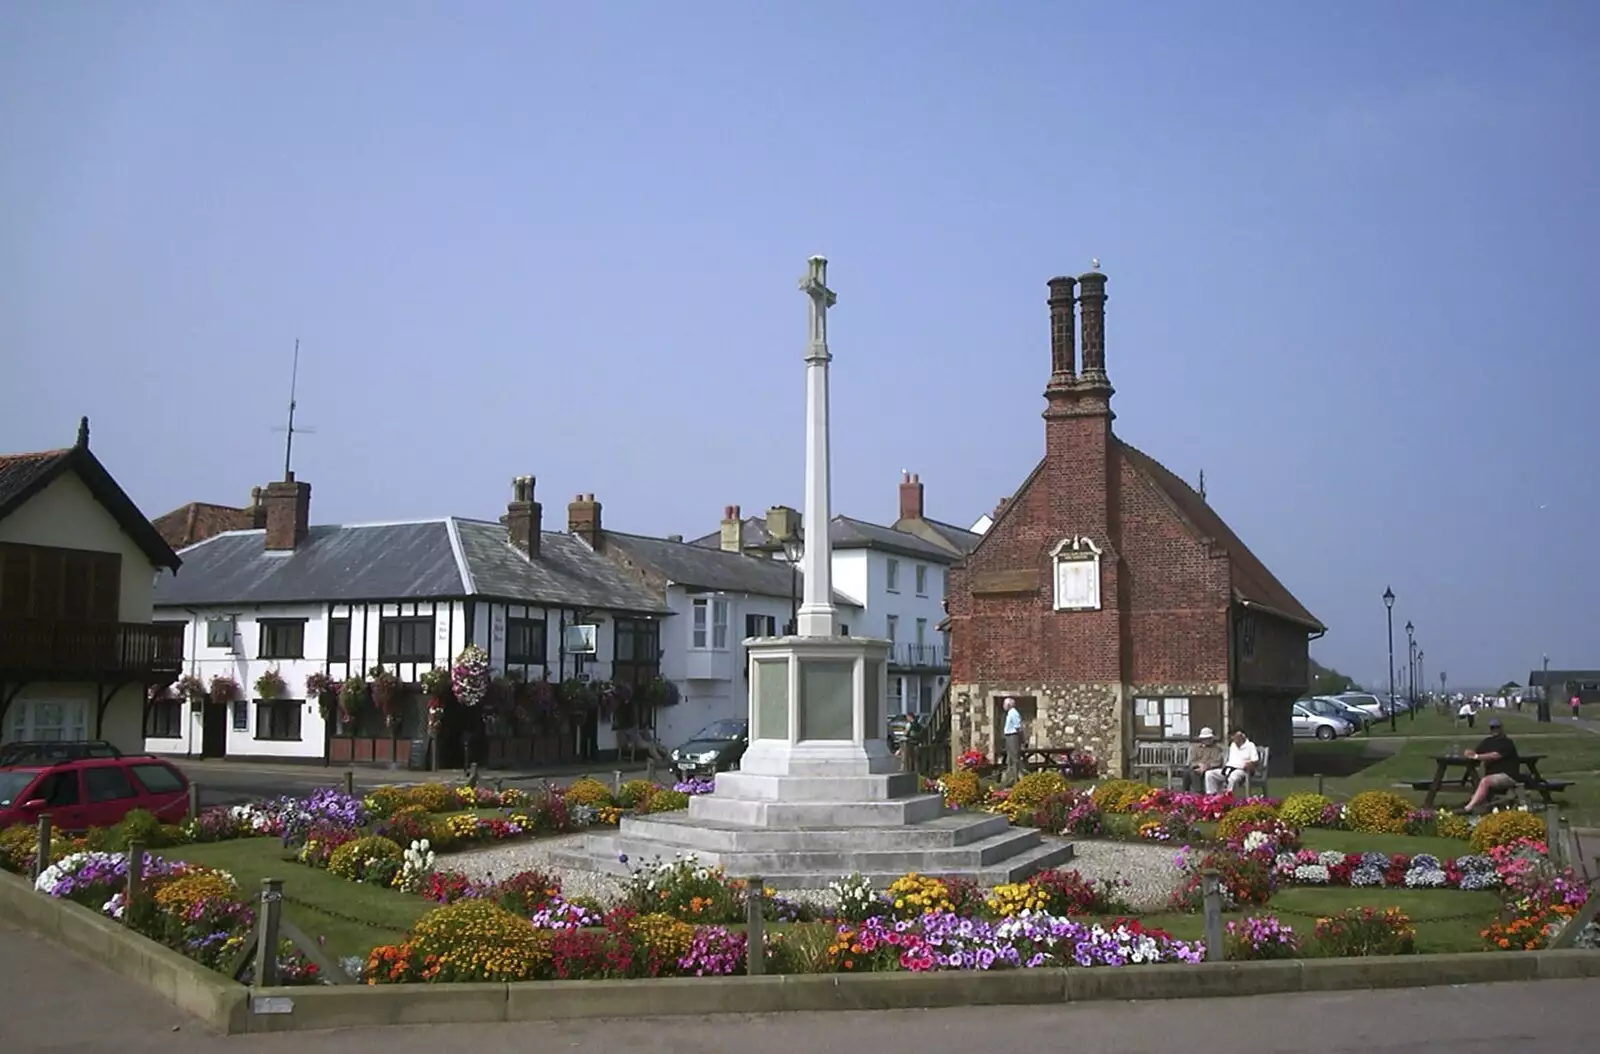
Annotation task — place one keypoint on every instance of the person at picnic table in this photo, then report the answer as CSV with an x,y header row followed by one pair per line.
x,y
1203,757
1243,757
1499,757
1013,734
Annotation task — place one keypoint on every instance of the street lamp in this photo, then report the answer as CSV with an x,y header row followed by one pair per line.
x,y
1411,667
794,547
1420,678
1544,692
1388,605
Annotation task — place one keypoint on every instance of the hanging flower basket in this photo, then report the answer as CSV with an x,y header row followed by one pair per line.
x,y
352,698
193,689
386,691
576,696
469,676
436,684
270,685
611,696
321,687
543,704
224,690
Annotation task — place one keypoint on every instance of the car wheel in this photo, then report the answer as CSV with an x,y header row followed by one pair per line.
x,y
1324,731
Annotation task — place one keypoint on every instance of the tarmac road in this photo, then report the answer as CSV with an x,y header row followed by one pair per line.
x,y
52,1002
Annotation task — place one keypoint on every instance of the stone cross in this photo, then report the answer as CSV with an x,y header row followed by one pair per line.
x,y
817,617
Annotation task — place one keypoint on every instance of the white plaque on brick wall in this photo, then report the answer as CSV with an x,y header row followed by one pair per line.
x,y
1077,575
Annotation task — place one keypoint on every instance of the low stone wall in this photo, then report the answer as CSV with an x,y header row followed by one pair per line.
x,y
231,1008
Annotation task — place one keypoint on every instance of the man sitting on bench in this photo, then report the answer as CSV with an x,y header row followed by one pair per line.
x,y
1235,772
1499,757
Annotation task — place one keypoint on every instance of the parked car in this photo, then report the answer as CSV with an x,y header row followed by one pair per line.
x,y
1366,702
715,748
83,792
1308,724
1328,706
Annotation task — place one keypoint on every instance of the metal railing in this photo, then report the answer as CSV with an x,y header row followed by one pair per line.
x,y
920,656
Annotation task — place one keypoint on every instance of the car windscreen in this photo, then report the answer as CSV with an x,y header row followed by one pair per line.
x,y
13,784
726,729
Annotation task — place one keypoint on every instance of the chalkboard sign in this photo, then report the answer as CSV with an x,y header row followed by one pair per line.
x,y
418,761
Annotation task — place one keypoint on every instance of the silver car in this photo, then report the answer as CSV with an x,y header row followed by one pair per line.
x,y
1308,725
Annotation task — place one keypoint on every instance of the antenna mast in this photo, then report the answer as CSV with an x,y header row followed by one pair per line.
x,y
288,443
1202,480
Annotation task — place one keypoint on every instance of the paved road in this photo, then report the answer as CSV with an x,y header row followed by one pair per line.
x,y
52,1002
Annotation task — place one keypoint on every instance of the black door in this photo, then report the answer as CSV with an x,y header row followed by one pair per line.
x,y
214,731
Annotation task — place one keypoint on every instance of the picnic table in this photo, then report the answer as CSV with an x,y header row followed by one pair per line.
x,y
1034,759
1468,780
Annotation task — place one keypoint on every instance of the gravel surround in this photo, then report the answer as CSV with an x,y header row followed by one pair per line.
x,y
1149,869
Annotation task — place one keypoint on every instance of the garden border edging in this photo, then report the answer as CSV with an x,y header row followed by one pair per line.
x,y
227,1006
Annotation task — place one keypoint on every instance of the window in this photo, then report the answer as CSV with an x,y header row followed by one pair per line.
x,y
892,627
58,789
108,784
157,779
406,639
278,719
49,721
897,695
282,638
710,625
638,641
219,633
922,632
1247,637
922,580
1176,717
525,641
43,582
892,579
925,698
339,640
166,719
241,715
760,626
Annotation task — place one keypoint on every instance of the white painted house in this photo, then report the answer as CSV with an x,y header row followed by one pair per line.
x,y
893,577
299,600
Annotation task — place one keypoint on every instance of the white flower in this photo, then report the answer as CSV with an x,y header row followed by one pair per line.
x,y
1311,874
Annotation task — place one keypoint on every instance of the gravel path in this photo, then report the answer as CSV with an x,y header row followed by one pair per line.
x,y
1147,869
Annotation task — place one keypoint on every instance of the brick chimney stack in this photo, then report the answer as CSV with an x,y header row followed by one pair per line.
x,y
583,520
288,513
1063,326
910,496
782,523
524,516
1092,298
731,539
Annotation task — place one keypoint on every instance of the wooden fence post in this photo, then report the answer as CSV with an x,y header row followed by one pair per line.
x,y
650,768
1211,892
616,782
135,888
41,851
194,800
754,924
349,783
1552,836
1320,793
268,917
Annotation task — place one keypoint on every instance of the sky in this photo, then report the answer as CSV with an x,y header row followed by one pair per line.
x,y
1351,254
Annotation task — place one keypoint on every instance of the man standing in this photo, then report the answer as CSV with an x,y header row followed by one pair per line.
x,y
1575,702
1499,757
1203,757
1013,734
1235,772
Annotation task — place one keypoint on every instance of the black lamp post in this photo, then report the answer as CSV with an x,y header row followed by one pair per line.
x,y
1544,692
793,549
1411,667
1388,605
1422,680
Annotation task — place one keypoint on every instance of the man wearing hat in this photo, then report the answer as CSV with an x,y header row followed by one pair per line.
x,y
1204,756
1499,757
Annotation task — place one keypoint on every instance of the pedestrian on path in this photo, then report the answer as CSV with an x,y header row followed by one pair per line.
x,y
1575,702
1467,713
1013,736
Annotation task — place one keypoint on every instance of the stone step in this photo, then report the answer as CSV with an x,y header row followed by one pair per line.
x,y
1016,869
793,815
950,829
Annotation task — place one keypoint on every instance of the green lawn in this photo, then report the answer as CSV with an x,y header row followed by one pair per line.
x,y
1388,844
350,917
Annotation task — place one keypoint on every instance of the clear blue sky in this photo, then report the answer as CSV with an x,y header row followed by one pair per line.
x,y
1352,253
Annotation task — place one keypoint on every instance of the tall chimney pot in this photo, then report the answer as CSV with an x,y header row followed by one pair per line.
x,y
731,536
583,520
524,516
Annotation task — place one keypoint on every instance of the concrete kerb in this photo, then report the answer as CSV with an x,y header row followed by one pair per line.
x,y
232,1008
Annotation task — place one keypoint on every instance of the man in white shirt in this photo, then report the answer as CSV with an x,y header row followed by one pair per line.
x,y
1013,739
1235,771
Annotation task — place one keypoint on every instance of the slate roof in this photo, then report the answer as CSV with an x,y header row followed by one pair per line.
x,y
422,560
700,567
1252,583
24,475
845,533
962,539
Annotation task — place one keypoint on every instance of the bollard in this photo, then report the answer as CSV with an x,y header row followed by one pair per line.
x,y
41,851
1211,891
755,948
650,768
472,775
616,781
1319,786
349,783
135,887
1552,836
267,920
194,800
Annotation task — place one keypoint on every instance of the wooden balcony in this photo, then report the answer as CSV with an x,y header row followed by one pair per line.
x,y
41,648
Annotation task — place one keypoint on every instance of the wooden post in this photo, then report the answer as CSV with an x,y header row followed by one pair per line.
x,y
1552,836
268,917
135,888
649,768
1570,853
616,781
472,775
41,851
754,925
1320,794
194,800
349,783
1211,891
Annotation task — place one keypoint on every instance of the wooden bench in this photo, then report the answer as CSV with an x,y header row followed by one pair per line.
x,y
1171,759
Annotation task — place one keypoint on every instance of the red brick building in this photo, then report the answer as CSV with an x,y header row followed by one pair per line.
x,y
1108,597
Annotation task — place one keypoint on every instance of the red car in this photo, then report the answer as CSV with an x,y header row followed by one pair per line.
x,y
84,792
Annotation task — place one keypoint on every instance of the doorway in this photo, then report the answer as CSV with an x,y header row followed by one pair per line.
x,y
213,731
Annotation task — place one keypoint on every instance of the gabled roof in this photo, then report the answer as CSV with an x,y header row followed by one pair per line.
x,y
199,520
958,540
701,567
420,560
845,533
24,475
1253,584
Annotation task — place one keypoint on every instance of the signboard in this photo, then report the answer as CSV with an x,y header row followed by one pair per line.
x,y
580,640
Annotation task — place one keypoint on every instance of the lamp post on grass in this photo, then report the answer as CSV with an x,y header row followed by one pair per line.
x,y
1411,667
793,550
1388,605
1420,678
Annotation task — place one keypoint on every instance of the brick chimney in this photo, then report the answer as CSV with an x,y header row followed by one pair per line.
x,y
732,535
287,506
583,520
782,522
524,516
910,496
1063,349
